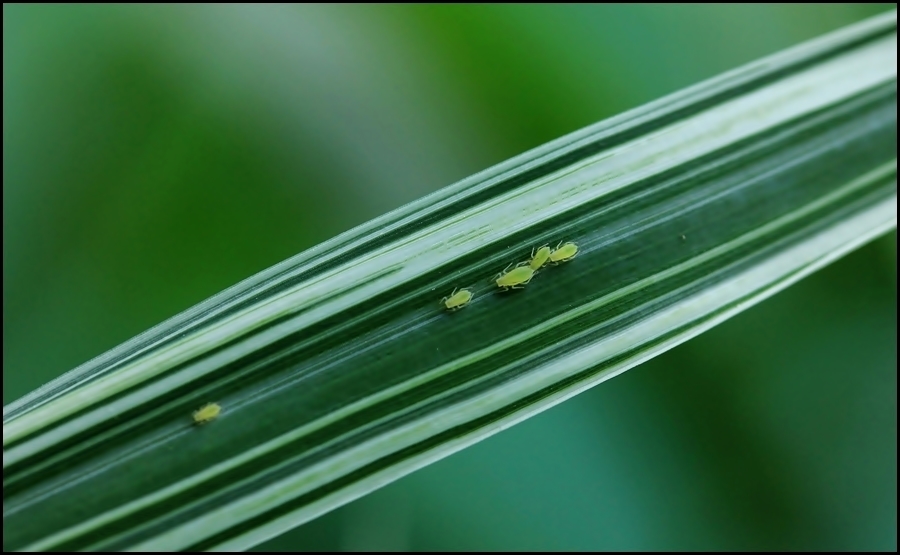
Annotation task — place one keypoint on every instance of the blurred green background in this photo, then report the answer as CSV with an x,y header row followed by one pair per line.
x,y
154,155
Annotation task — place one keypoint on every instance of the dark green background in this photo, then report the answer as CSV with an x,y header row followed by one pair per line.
x,y
153,156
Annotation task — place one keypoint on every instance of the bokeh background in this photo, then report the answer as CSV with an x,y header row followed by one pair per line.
x,y
154,155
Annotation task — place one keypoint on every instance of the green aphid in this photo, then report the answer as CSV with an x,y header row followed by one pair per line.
x,y
207,413
517,278
563,253
539,258
457,299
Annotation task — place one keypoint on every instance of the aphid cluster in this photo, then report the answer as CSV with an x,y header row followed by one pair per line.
x,y
517,276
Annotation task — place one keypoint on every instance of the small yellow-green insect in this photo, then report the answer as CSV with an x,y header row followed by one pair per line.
x,y
207,413
539,258
457,299
517,278
563,253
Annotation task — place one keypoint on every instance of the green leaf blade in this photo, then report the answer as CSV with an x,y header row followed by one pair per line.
x,y
338,371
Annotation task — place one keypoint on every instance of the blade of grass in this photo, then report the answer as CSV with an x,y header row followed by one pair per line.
x,y
338,371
